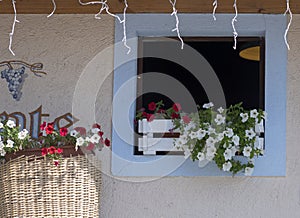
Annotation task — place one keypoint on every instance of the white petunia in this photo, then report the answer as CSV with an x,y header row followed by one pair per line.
x,y
201,133
1,145
229,132
22,134
193,135
247,151
79,141
181,141
220,110
211,151
259,143
210,141
73,133
228,154
244,117
253,113
190,126
227,166
208,105
95,138
2,153
250,133
211,131
95,130
201,156
220,119
87,139
10,124
1,125
10,143
248,171
236,140
187,153
220,137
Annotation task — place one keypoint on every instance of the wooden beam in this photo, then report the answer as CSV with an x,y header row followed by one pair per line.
x,y
149,6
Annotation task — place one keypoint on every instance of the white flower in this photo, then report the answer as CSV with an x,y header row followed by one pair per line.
x,y
220,110
210,141
187,153
73,133
220,137
233,150
1,145
193,135
248,171
190,126
250,133
229,132
10,124
1,125
236,140
247,151
87,139
22,134
201,156
259,143
79,141
95,130
208,105
219,119
253,113
211,130
10,143
2,153
228,154
211,151
244,117
201,133
181,141
95,138
227,166
264,116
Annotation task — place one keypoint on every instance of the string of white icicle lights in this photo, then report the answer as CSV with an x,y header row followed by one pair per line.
x,y
288,10
215,4
54,8
104,6
174,13
11,34
235,34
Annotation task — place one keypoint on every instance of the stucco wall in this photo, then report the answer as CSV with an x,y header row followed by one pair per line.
x,y
66,45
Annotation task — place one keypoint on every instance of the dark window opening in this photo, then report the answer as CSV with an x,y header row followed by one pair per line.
x,y
242,80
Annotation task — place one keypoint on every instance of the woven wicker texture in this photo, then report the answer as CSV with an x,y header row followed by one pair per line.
x,y
34,187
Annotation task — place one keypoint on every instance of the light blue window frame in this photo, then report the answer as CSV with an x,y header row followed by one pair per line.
x,y
272,27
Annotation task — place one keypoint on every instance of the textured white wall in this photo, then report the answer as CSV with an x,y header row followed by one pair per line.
x,y
65,44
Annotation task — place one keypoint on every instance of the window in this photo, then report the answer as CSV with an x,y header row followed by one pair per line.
x,y
269,93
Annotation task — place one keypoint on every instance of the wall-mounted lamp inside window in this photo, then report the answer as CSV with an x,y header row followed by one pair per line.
x,y
250,51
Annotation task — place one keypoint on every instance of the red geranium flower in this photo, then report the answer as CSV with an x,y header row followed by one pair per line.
x,y
150,117
144,114
152,106
174,115
100,133
90,147
56,162
49,129
59,150
63,131
107,142
81,130
96,125
51,150
186,119
43,125
44,151
176,107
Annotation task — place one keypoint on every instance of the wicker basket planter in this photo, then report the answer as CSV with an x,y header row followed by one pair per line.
x,y
32,186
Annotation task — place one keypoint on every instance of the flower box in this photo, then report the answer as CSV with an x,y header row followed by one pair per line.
x,y
33,187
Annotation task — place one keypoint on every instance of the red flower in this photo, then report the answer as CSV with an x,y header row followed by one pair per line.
x,y
43,125
176,107
100,133
49,129
51,150
90,147
144,114
56,162
150,117
107,142
44,151
174,115
81,130
186,119
59,150
152,106
96,125
63,131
